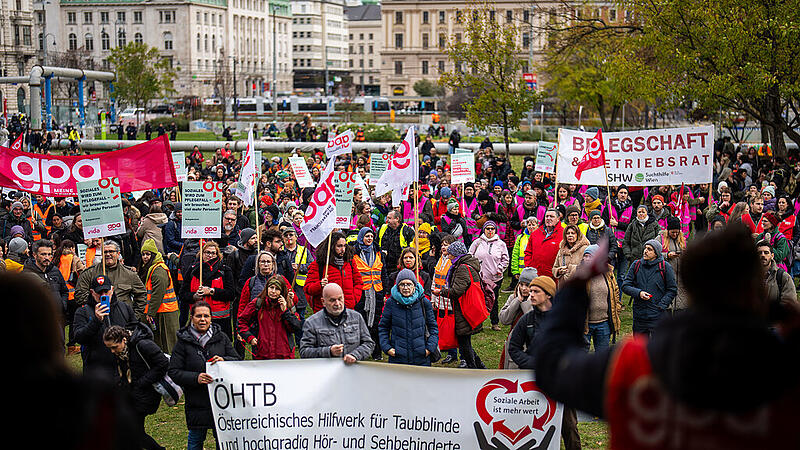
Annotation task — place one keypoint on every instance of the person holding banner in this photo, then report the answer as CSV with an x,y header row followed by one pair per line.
x,y
334,264
200,343
215,288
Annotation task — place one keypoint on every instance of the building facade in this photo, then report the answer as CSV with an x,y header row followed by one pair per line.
x,y
365,37
319,44
416,33
17,50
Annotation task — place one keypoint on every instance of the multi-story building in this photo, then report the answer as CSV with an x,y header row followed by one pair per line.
x,y
17,50
365,38
319,44
253,24
189,34
416,33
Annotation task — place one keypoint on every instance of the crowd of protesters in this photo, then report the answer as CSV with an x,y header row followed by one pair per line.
x,y
265,293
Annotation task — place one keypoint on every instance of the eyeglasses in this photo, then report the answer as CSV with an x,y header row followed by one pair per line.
x,y
109,252
230,218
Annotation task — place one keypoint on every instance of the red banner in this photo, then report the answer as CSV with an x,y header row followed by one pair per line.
x,y
144,166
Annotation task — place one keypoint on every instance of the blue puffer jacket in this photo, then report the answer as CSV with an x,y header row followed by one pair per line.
x,y
649,278
402,328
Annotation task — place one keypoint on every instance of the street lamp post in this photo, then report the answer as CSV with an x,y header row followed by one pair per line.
x,y
274,66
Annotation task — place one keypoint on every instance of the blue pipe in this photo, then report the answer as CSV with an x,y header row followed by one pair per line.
x,y
81,107
112,111
48,104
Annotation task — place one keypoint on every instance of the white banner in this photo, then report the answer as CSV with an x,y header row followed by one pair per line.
x,y
546,157
344,184
301,173
325,404
179,163
342,144
245,189
320,216
641,158
462,168
378,163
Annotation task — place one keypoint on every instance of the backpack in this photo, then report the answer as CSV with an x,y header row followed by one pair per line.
x,y
662,269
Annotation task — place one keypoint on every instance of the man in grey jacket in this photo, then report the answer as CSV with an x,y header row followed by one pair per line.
x,y
779,286
335,332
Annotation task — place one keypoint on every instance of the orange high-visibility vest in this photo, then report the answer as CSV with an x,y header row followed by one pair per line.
x,y
170,301
65,267
43,215
370,275
90,253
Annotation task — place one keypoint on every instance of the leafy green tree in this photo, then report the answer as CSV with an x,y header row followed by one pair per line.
x,y
720,55
428,88
142,74
488,63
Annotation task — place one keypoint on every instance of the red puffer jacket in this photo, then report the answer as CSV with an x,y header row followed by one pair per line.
x,y
347,277
542,251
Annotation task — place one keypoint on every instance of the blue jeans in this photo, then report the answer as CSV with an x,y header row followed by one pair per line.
x,y
622,270
197,436
600,333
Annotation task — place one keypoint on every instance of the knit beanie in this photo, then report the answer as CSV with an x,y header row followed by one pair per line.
x,y
452,205
483,195
17,205
770,189
149,245
657,197
572,209
527,275
246,234
445,192
772,218
426,227
593,213
489,223
497,183
457,249
622,187
405,274
18,245
593,192
546,284
656,246
16,229
673,223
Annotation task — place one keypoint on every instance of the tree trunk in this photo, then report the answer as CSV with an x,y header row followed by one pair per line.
x,y
505,135
601,109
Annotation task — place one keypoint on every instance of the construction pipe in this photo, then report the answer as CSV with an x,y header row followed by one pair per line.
x,y
525,148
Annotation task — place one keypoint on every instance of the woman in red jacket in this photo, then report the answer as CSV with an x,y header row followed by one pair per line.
x,y
273,310
340,270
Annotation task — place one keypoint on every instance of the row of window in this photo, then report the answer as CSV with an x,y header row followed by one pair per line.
x,y
215,18
370,49
509,15
164,16
361,63
361,36
398,67
105,40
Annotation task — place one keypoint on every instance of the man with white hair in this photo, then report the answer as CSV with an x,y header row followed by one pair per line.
x,y
336,332
127,285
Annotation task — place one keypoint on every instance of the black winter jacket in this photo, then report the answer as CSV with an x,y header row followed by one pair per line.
x,y
521,343
55,281
147,364
188,361
89,333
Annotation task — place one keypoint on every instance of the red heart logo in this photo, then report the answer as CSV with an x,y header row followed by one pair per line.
x,y
512,387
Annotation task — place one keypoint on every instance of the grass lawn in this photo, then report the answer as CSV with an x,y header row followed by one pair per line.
x,y
168,426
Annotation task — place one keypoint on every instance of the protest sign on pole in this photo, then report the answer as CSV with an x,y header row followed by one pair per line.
x,y
294,407
344,184
459,150
202,209
101,207
320,216
82,248
179,163
258,160
361,184
341,144
462,168
546,157
378,162
639,158
301,172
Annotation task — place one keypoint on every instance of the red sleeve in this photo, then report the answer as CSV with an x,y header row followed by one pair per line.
x,y
245,317
529,252
313,287
358,284
244,299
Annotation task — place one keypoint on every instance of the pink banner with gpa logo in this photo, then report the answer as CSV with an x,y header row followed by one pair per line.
x,y
144,166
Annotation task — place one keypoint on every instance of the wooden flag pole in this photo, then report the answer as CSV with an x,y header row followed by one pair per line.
x,y
555,192
258,229
328,255
608,199
103,253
